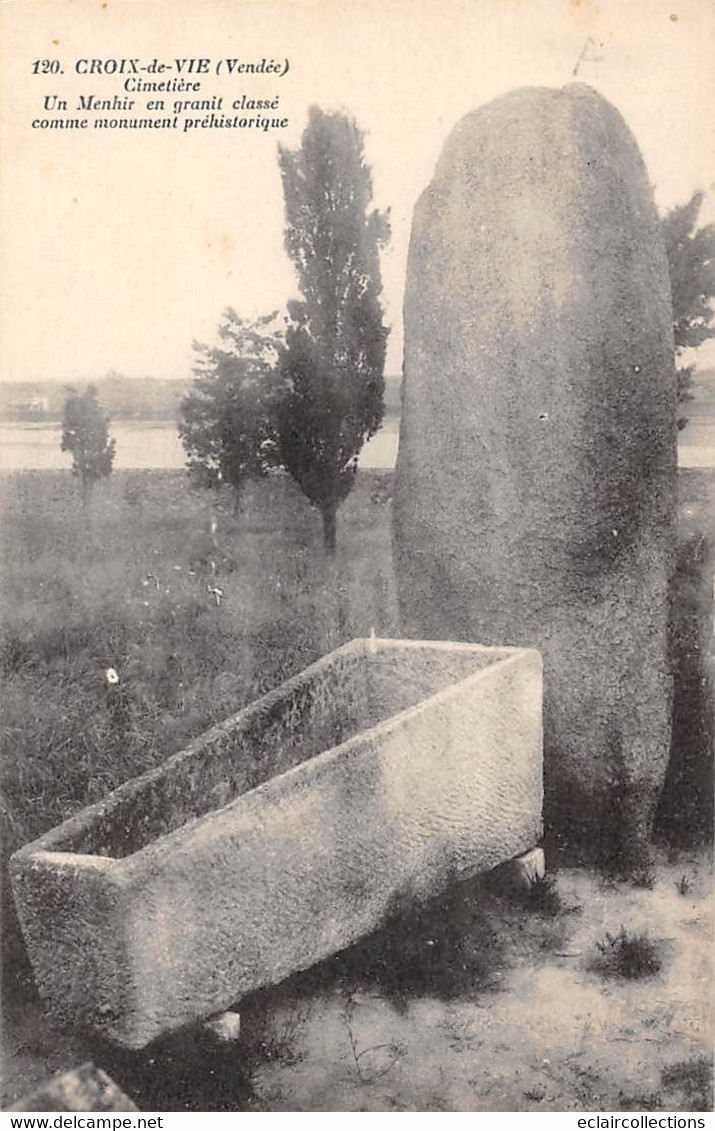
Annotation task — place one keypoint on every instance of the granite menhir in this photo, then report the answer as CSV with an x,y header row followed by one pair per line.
x,y
535,486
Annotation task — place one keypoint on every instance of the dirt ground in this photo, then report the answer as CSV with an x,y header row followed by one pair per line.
x,y
488,1002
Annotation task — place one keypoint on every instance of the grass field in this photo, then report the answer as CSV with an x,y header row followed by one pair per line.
x,y
194,624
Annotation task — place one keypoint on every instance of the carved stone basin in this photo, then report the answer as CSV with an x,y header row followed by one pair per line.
x,y
283,834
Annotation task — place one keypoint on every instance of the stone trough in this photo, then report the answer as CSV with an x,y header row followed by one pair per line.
x,y
284,834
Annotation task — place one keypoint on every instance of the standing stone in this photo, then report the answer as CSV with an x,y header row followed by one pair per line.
x,y
535,485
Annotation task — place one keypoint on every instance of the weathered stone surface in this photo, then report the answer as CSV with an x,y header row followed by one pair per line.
x,y
403,765
534,496
86,1088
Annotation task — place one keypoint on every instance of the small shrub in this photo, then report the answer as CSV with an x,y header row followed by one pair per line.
x,y
684,885
16,654
641,1101
694,1080
627,956
644,878
542,897
277,1041
536,1095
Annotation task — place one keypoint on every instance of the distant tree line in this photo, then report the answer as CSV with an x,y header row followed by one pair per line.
x,y
124,398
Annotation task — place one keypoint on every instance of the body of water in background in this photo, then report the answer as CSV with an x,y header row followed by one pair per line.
x,y
155,445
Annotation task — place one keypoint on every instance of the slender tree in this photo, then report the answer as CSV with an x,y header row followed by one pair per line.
x,y
85,433
335,345
691,262
227,419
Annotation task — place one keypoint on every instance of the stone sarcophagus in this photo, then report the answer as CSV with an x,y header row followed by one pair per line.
x,y
284,834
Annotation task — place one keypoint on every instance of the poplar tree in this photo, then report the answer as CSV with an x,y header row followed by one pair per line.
x,y
333,364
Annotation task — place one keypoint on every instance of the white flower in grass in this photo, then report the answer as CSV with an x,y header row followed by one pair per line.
x,y
111,675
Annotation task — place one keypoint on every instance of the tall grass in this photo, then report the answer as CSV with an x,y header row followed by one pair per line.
x,y
196,624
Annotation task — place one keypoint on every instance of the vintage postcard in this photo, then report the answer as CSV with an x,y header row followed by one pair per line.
x,y
357,483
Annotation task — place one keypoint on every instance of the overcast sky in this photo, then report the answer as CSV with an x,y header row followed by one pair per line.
x,y
119,249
